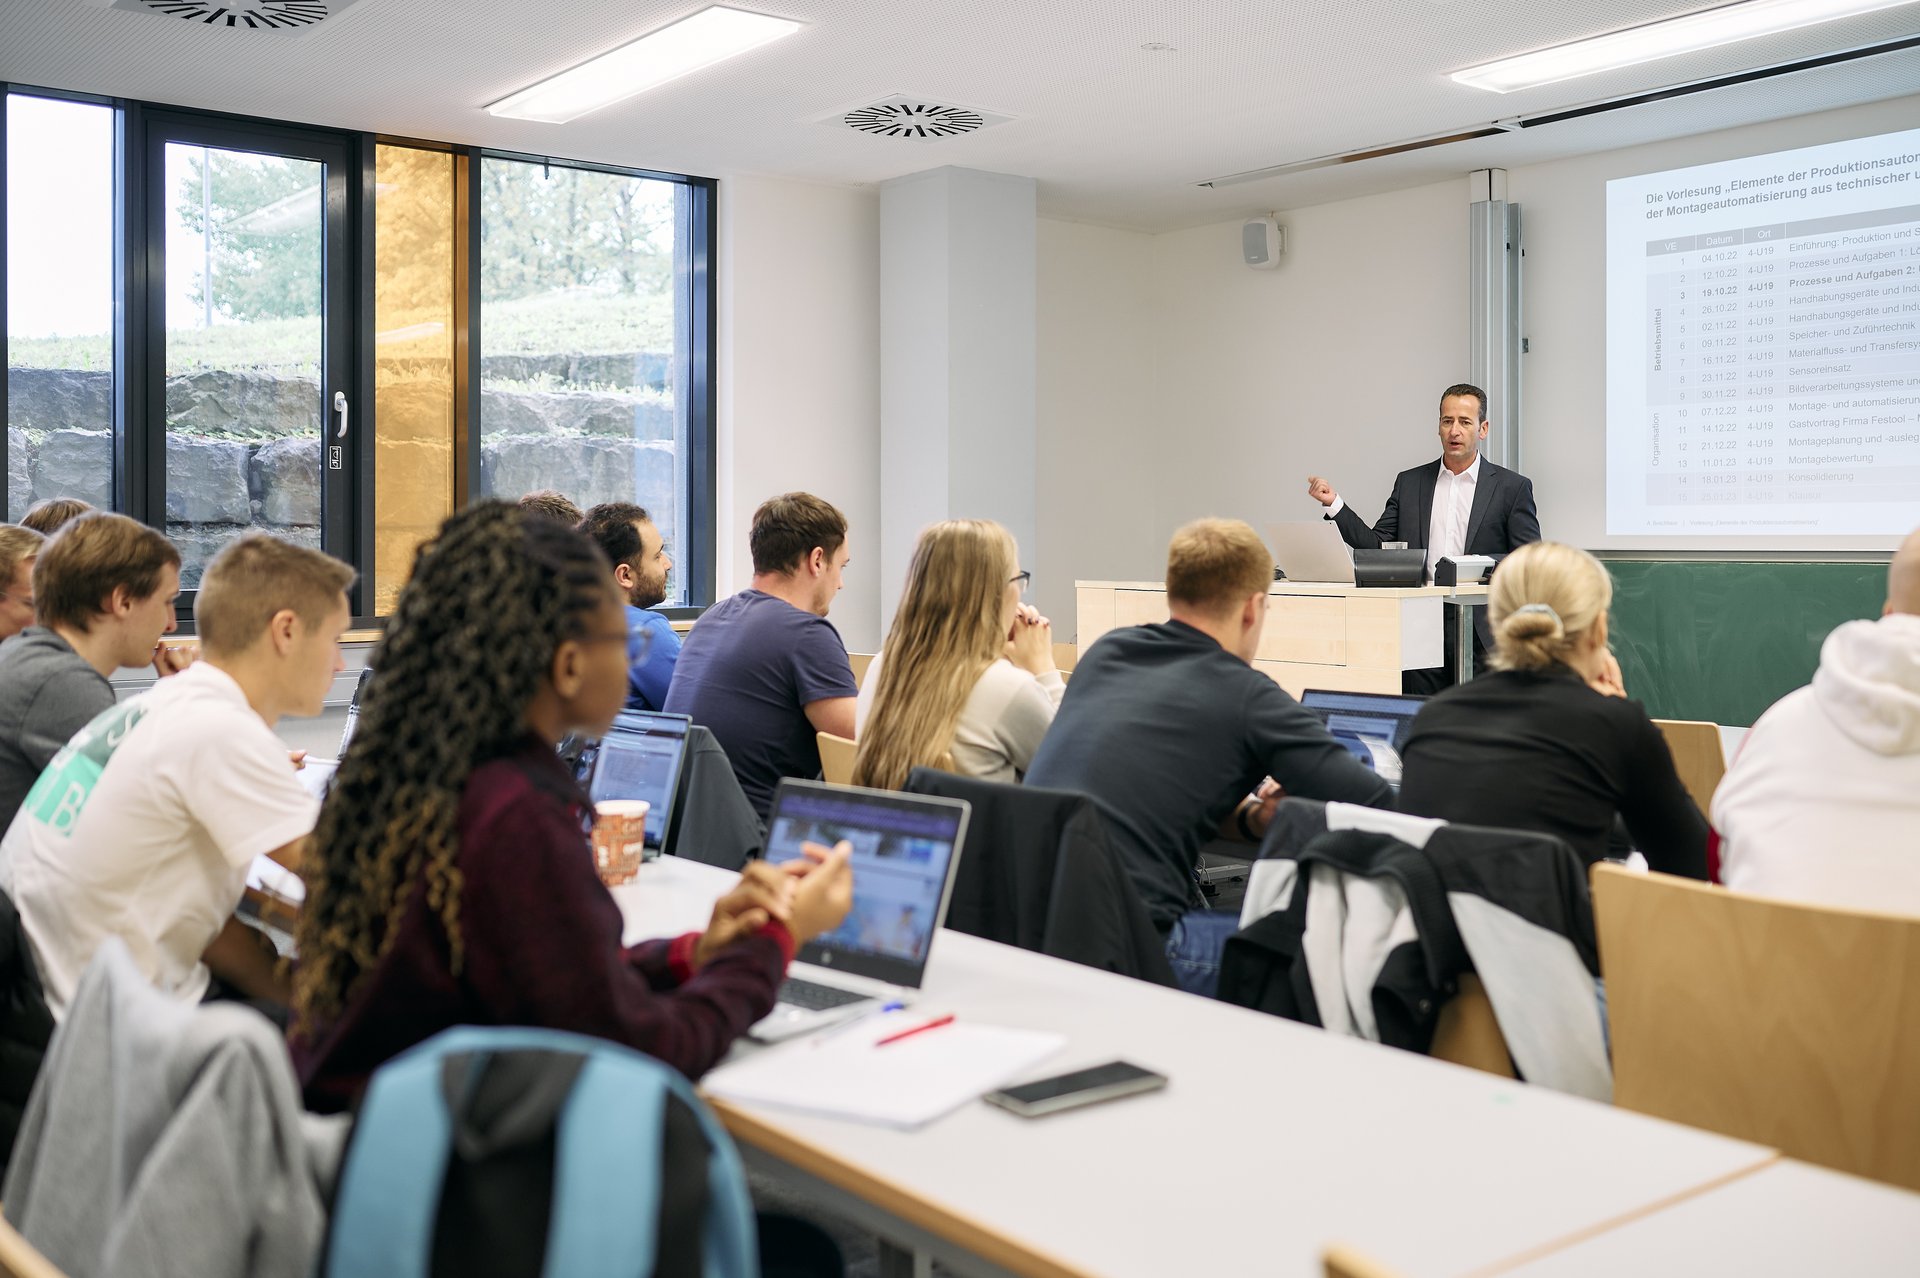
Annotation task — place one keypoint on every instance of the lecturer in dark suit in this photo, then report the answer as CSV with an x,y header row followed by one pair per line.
x,y
1462,504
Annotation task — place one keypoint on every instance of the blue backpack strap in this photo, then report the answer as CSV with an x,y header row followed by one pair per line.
x,y
390,1190
606,1183
732,1236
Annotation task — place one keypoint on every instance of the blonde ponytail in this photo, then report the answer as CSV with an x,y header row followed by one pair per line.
x,y
1544,600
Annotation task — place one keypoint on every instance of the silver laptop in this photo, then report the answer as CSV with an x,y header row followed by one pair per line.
x,y
905,850
1311,550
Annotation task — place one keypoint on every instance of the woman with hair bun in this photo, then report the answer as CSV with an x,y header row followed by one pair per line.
x,y
1549,741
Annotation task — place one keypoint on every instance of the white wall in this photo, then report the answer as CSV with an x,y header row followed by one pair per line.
x,y
1563,210
1097,496
799,373
1175,382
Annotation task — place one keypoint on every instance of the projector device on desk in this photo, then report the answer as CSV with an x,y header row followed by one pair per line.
x,y
1462,571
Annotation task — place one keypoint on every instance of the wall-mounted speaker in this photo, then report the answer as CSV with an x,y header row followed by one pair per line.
x,y
1261,243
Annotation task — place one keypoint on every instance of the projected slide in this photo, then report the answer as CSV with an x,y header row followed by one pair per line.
x,y
1763,345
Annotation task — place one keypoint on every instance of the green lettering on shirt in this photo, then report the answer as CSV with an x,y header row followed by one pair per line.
x,y
61,793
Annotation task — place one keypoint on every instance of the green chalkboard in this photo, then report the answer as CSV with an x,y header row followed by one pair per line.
x,y
1723,640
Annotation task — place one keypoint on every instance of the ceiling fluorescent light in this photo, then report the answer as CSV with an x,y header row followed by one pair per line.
x,y
1686,34
709,36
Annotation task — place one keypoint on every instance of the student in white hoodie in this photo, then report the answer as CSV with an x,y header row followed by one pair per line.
x,y
1822,803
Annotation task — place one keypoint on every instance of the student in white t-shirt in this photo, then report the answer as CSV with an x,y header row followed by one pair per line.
x,y
144,825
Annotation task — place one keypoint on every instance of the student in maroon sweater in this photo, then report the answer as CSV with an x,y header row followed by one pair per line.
x,y
451,881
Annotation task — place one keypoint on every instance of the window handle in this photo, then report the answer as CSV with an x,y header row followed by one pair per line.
x,y
340,407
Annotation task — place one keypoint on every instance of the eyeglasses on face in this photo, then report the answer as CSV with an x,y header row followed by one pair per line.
x,y
1022,579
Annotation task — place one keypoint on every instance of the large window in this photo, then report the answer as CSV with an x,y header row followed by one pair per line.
x,y
59,301
581,340
216,325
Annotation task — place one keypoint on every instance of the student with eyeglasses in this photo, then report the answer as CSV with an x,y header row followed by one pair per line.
x,y
965,680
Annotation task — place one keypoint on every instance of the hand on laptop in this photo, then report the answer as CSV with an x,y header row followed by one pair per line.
x,y
824,891
763,893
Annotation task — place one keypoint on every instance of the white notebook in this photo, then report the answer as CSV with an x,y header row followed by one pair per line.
x,y
841,1073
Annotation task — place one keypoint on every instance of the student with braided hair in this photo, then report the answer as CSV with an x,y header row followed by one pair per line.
x,y
451,881
1549,740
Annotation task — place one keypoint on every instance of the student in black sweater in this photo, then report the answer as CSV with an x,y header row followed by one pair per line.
x,y
1549,740
1180,739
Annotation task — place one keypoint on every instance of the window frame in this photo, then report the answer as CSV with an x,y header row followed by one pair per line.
x,y
139,425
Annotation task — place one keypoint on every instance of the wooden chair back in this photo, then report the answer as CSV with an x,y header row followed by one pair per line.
x,y
1468,1034
859,661
836,758
20,1258
1795,1026
1065,655
1697,756
1344,1262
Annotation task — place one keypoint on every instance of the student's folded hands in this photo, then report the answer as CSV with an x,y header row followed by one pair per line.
x,y
809,895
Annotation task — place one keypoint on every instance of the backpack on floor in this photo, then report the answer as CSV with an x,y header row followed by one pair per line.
x,y
525,1153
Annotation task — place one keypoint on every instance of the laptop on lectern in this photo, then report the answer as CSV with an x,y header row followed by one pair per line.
x,y
1311,550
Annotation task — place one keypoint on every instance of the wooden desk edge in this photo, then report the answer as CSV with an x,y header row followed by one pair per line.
x,y
962,1231
1578,1236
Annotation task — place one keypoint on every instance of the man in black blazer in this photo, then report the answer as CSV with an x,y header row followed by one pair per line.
x,y
1463,504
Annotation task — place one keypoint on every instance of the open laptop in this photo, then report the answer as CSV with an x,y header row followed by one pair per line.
x,y
640,758
905,849
1371,725
1311,550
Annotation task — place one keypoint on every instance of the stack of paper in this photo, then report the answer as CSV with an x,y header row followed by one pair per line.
x,y
843,1073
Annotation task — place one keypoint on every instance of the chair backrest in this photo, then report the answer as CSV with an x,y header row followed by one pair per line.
x,y
1344,1262
859,661
1469,1033
20,1259
836,758
1796,1026
1697,756
1065,655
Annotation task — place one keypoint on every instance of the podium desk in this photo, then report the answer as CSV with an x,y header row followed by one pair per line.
x,y
1318,634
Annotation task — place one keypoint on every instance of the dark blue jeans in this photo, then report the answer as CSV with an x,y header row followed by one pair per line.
x,y
1194,945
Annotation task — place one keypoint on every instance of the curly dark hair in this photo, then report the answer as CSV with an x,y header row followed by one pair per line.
x,y
472,637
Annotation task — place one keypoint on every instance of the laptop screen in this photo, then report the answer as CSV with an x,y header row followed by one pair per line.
x,y
639,758
905,848
1371,725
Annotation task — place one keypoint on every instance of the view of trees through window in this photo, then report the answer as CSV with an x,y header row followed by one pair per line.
x,y
579,340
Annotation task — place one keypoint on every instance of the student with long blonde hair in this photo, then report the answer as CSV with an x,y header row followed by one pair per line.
x,y
966,678
1549,740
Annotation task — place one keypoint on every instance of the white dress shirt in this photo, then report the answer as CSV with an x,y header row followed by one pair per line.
x,y
1452,507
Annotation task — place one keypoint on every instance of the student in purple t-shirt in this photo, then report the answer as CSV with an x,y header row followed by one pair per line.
x,y
765,670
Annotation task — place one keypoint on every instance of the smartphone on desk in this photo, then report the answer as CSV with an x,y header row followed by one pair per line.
x,y
1081,1087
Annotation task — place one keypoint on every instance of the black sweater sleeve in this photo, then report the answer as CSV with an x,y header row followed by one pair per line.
x,y
1665,822
1302,755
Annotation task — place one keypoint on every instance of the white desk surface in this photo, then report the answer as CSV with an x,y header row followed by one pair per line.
x,y
1787,1219
1273,1140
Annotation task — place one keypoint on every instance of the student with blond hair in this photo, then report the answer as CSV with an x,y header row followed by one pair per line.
x,y
144,825
1549,740
966,679
1175,734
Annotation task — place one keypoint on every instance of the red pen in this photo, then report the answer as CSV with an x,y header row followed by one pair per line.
x,y
933,1024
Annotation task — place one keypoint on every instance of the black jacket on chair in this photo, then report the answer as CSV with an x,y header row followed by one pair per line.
x,y
25,1025
1038,872
1502,520
713,820
1355,930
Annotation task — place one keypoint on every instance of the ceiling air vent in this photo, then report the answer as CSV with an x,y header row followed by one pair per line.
x,y
917,119
247,15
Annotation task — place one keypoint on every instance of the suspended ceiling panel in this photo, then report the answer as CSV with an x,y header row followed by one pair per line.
x,y
1114,132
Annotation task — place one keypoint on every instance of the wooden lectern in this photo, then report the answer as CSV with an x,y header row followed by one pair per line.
x,y
1318,635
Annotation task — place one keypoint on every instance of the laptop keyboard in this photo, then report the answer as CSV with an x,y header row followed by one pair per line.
x,y
816,997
